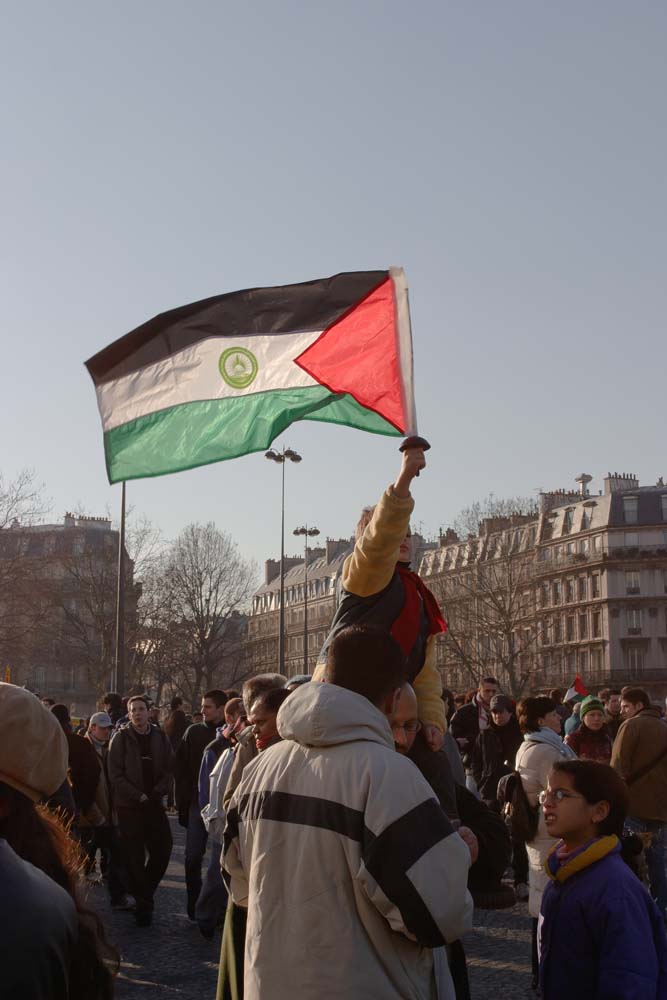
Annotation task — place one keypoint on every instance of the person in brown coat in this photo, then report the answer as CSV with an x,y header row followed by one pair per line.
x,y
640,756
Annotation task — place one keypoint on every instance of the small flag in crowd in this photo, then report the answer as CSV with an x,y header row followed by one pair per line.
x,y
223,377
578,689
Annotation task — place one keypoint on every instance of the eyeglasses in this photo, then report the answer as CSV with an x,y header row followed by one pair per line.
x,y
556,796
412,726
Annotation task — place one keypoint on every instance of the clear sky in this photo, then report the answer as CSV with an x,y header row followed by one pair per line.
x,y
511,156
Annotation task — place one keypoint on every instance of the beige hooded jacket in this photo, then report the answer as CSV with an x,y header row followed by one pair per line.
x,y
348,866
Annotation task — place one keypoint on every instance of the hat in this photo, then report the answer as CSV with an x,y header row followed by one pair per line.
x,y
33,747
590,704
501,703
100,719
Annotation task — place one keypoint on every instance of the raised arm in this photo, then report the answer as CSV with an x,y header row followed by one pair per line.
x,y
371,566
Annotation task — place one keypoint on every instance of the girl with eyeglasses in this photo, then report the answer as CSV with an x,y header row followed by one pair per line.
x,y
601,935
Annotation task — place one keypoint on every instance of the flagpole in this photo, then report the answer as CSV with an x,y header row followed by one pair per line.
x,y
118,683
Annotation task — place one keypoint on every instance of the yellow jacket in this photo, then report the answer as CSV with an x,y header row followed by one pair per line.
x,y
370,568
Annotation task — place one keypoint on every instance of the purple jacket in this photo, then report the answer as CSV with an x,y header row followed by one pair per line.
x,y
601,935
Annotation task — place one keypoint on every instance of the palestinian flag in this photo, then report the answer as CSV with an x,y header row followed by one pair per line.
x,y
578,690
225,376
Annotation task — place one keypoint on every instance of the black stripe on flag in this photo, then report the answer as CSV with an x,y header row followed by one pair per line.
x,y
309,305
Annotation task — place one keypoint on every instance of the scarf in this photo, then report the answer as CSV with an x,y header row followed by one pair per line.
x,y
561,863
548,736
406,627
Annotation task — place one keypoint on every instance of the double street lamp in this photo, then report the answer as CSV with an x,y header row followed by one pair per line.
x,y
307,533
287,454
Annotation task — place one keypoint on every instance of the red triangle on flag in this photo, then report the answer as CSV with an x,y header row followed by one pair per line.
x,y
358,354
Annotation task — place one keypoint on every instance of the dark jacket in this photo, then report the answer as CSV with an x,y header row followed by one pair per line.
x,y
83,771
638,743
465,727
188,761
493,756
614,723
126,772
601,936
589,744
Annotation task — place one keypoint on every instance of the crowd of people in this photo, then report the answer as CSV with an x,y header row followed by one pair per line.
x,y
353,820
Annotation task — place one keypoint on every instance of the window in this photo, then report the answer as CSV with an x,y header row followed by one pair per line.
x,y
569,591
635,660
632,582
544,592
569,628
631,539
583,661
571,664
583,626
664,580
555,592
663,506
571,548
545,633
546,663
567,522
586,515
596,660
582,588
597,543
558,629
630,509
633,617
595,585
596,624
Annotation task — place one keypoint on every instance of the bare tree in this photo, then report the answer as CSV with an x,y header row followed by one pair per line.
x,y
22,605
210,584
487,589
470,519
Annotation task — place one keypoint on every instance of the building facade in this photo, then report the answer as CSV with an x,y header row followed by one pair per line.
x,y
309,610
585,591
58,608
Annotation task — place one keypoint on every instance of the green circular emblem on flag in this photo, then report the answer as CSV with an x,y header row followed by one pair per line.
x,y
238,367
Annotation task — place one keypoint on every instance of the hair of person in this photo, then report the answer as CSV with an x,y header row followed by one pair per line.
x,y
529,710
367,660
61,713
235,707
603,695
450,702
232,693
363,522
40,838
470,695
49,701
271,700
175,703
599,783
636,696
260,682
489,680
556,695
217,696
137,697
113,699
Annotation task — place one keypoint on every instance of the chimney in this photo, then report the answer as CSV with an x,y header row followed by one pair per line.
x,y
584,479
70,520
334,547
271,570
617,482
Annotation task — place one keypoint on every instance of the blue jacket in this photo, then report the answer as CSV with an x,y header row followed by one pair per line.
x,y
601,935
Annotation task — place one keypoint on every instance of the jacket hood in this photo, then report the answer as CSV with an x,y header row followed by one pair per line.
x,y
319,715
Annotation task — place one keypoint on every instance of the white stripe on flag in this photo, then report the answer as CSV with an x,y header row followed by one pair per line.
x,y
194,374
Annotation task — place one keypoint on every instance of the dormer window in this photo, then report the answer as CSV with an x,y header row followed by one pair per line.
x,y
630,510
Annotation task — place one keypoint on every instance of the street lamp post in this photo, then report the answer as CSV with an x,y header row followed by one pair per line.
x,y
307,533
281,457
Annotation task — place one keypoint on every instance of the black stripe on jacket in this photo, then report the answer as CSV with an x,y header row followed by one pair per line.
x,y
388,857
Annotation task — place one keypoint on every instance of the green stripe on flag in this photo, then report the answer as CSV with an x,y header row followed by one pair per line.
x,y
213,430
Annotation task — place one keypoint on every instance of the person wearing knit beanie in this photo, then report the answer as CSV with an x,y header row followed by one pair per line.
x,y
591,741
33,747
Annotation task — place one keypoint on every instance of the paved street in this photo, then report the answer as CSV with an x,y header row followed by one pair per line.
x,y
172,957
